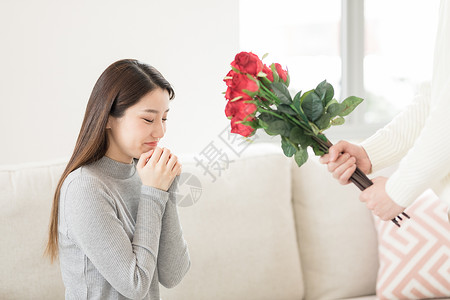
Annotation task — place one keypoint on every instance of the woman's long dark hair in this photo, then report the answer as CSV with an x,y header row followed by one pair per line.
x,y
120,86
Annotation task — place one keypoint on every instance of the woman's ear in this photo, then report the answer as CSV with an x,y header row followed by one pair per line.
x,y
108,124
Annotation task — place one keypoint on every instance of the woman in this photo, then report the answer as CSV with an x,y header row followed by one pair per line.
x,y
419,138
114,221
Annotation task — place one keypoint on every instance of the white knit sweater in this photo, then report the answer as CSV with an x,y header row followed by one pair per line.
x,y
420,136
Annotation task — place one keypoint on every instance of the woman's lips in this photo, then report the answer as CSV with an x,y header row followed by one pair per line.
x,y
152,144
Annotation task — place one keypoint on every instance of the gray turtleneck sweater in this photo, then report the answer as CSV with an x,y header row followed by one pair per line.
x,y
117,237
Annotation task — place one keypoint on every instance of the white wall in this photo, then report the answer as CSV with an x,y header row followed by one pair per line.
x,y
52,52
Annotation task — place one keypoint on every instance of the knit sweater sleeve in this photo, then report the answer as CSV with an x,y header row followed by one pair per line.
x,y
423,130
174,260
391,143
428,161
92,222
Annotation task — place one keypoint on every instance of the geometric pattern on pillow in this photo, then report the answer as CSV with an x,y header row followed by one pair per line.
x,y
415,258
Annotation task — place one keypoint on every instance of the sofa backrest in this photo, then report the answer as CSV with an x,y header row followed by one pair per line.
x,y
26,193
240,232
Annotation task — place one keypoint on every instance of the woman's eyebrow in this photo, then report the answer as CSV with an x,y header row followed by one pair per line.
x,y
153,110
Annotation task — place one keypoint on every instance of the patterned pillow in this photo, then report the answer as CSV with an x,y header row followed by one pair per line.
x,y
415,259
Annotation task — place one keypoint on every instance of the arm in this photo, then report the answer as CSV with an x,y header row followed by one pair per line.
x,y
386,147
95,228
389,144
428,161
173,258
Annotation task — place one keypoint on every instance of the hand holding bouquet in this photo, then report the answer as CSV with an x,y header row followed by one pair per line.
x,y
258,97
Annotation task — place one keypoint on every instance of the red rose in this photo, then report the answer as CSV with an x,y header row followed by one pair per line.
x,y
268,72
282,73
238,84
239,109
247,62
241,129
229,77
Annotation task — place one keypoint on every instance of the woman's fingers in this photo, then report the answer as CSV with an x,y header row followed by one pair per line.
x,y
143,159
155,156
179,168
164,158
173,159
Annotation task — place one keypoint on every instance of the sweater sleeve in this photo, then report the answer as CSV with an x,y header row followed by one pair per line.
x,y
173,260
93,225
391,143
428,161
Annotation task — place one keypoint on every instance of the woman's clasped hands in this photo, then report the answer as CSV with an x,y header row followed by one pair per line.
x,y
158,168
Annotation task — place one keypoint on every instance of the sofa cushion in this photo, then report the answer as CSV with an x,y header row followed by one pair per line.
x,y
26,193
415,258
336,235
241,232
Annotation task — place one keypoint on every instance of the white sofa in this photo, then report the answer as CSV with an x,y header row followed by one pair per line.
x,y
264,229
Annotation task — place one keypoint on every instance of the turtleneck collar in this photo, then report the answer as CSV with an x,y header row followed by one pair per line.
x,y
116,169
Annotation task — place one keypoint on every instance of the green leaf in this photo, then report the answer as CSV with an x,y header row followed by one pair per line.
x,y
278,127
325,91
263,124
265,120
349,105
281,91
333,101
324,121
298,136
287,147
264,56
338,121
288,79
266,117
253,124
302,98
270,132
301,156
317,150
312,106
335,109
298,107
284,108
296,101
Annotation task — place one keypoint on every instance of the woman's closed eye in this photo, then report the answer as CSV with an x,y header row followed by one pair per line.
x,y
151,121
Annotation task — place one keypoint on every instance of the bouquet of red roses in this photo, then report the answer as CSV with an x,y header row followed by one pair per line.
x,y
258,97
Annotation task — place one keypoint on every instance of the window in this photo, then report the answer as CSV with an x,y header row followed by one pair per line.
x,y
379,50
301,35
398,53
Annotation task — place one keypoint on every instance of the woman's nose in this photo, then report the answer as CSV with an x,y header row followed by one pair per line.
x,y
159,130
